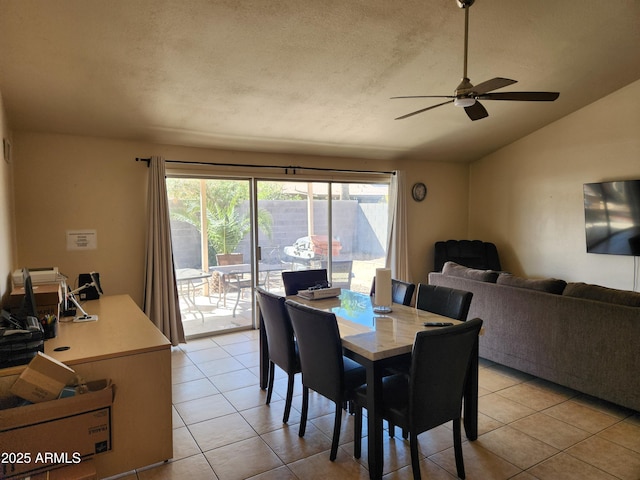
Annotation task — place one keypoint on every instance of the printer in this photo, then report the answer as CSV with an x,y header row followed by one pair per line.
x,y
38,276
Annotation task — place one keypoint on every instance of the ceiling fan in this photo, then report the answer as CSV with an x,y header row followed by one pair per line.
x,y
466,95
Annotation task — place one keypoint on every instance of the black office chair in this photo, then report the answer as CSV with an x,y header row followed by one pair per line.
x,y
324,369
401,292
446,301
281,344
295,280
432,393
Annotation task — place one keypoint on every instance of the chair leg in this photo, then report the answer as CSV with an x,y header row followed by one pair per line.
x,y
305,411
392,429
357,432
289,399
415,458
237,301
457,447
405,433
270,381
336,433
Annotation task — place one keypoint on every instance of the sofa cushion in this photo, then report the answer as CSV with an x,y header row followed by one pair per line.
x,y
455,270
549,285
602,294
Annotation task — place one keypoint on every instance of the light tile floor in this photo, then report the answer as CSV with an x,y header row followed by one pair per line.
x,y
529,428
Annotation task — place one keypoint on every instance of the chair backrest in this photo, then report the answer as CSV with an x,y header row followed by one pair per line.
x,y
401,292
320,349
470,253
302,279
278,328
450,302
439,365
341,273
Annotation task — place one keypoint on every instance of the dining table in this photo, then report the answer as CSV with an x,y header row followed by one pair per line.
x,y
378,341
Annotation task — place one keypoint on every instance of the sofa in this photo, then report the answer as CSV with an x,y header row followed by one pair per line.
x,y
585,337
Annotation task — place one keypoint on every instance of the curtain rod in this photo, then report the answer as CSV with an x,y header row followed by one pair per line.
x,y
286,168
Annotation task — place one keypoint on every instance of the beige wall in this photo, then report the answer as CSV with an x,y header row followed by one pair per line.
x,y
68,182
441,216
527,197
6,211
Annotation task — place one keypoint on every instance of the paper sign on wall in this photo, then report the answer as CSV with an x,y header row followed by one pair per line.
x,y
82,239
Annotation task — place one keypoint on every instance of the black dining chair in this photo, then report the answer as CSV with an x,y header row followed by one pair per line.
x,y
432,393
401,292
449,302
281,344
324,369
445,301
295,280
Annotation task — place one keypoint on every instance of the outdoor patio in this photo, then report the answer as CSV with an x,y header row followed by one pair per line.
x,y
204,315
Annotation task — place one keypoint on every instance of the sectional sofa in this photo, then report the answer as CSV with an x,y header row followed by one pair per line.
x,y
585,337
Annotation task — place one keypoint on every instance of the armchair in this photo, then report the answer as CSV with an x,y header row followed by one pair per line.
x,y
470,253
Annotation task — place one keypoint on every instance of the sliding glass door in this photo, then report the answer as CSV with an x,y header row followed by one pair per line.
x,y
233,235
338,226
211,231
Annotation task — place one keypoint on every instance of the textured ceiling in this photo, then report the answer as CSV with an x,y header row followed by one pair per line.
x,y
306,76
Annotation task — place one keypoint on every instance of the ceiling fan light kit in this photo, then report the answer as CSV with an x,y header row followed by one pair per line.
x,y
464,101
466,95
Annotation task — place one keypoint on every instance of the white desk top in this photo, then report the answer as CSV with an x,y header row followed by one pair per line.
x,y
122,329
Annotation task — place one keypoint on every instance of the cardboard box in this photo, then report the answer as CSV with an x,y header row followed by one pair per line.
x,y
48,297
43,379
85,470
61,432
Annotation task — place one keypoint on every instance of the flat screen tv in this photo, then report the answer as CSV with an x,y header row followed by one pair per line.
x,y
612,217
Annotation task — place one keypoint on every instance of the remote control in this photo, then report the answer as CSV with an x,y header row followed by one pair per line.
x,y
437,324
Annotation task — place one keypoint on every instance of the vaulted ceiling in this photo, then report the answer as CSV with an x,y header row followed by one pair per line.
x,y
307,76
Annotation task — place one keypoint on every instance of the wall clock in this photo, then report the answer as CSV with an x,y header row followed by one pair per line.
x,y
419,191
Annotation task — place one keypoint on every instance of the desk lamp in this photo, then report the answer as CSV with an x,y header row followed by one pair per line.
x,y
85,317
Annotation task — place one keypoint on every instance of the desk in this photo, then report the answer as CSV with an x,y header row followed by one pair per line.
x,y
125,346
192,278
376,341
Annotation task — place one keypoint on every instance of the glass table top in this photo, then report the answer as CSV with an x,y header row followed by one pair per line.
x,y
356,307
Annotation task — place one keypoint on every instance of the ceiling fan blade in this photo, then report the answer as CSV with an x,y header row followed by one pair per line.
x,y
424,110
521,96
476,111
493,84
425,96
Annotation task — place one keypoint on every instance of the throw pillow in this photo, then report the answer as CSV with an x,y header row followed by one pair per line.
x,y
455,270
602,294
548,285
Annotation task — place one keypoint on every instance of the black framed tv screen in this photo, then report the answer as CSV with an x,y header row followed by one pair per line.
x,y
612,217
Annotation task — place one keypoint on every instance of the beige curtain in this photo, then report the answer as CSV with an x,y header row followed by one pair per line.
x,y
161,293
397,240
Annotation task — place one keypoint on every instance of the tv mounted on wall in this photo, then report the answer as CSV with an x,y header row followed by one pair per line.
x,y
612,217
